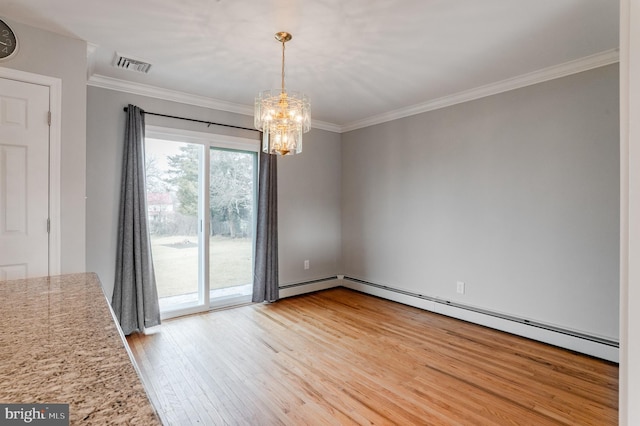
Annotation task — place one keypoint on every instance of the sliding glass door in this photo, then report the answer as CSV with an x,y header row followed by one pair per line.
x,y
201,194
231,213
173,185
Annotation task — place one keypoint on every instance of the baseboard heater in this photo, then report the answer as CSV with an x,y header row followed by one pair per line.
x,y
493,314
319,280
581,342
592,345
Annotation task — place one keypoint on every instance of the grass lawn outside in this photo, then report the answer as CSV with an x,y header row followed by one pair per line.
x,y
175,260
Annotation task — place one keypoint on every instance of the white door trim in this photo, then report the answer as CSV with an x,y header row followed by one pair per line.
x,y
629,389
55,106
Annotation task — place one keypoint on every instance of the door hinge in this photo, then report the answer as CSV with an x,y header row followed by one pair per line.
x,y
49,118
48,226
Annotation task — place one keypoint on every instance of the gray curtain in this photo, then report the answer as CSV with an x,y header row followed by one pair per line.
x,y
135,298
265,280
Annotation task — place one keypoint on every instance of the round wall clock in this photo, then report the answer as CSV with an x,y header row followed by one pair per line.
x,y
8,41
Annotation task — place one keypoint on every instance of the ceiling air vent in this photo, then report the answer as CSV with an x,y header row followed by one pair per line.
x,y
131,64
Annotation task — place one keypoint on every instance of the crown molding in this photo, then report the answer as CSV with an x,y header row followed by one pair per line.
x,y
91,62
601,59
141,89
104,82
323,125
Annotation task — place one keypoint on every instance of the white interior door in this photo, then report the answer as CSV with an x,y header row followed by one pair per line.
x,y
24,180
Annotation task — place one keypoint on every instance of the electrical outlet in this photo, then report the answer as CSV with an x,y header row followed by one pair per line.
x,y
306,264
460,287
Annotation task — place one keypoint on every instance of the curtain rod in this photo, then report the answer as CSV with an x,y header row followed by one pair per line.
x,y
208,123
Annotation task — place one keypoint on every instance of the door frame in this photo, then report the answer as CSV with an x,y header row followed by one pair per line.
x,y
55,137
207,141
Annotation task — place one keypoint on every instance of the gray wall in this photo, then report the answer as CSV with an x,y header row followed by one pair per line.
x,y
515,194
45,53
309,189
309,185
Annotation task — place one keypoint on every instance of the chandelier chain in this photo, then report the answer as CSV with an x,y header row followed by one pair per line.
x,y
283,42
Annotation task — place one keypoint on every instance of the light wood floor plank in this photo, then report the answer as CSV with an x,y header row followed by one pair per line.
x,y
339,357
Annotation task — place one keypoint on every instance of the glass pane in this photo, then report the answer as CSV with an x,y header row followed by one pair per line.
x,y
231,211
172,198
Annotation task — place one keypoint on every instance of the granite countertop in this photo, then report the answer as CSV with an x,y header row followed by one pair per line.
x,y
59,343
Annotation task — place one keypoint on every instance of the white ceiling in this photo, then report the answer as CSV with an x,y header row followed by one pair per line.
x,y
356,59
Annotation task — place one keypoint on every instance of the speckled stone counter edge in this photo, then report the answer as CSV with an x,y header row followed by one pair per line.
x,y
60,343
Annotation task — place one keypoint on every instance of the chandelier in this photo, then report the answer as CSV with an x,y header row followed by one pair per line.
x,y
282,116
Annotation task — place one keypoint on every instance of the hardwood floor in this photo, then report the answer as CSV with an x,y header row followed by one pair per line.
x,y
339,357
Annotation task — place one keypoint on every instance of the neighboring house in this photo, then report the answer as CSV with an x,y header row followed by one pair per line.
x,y
159,204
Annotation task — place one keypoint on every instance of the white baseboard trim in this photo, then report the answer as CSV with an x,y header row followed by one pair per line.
x,y
583,345
308,287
